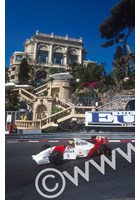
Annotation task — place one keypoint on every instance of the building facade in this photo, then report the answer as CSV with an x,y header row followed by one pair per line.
x,y
44,51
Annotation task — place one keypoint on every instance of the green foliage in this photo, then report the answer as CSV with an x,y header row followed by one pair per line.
x,y
119,52
56,109
130,84
6,75
54,70
11,101
124,66
103,89
92,72
23,74
50,130
122,18
107,84
87,97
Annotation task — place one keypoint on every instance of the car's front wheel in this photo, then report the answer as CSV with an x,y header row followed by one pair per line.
x,y
56,158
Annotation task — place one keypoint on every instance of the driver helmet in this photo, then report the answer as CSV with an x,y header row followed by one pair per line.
x,y
71,142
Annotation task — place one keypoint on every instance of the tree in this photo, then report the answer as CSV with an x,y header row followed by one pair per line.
x,y
37,76
23,74
6,75
119,53
11,101
123,66
122,18
54,70
91,72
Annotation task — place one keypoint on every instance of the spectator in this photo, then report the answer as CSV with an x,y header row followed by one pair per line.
x,y
10,128
23,117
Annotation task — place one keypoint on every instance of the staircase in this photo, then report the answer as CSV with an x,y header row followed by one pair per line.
x,y
27,95
69,110
77,112
41,88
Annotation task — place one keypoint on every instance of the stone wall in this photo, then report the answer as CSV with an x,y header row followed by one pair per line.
x,y
118,103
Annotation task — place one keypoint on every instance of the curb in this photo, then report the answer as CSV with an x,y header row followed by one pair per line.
x,y
57,141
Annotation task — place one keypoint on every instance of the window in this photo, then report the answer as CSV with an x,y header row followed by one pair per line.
x,y
13,68
13,77
43,56
58,58
19,57
73,59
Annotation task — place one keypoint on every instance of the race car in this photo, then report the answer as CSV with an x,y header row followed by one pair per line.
x,y
77,148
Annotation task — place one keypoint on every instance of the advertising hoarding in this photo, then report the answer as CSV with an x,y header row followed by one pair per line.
x,y
110,118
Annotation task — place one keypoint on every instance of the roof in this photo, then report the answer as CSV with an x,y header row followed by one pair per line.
x,y
13,85
61,76
10,84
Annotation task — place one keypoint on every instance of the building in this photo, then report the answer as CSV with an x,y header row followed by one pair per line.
x,y
44,51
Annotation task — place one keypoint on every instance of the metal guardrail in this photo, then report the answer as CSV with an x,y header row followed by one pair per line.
x,y
68,135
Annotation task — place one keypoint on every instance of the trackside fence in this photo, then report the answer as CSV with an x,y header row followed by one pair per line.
x,y
68,135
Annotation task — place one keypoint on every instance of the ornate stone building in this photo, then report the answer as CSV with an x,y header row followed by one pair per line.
x,y
48,50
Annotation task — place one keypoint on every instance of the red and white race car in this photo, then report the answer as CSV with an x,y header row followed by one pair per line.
x,y
77,149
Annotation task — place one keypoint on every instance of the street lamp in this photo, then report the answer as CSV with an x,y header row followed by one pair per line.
x,y
95,102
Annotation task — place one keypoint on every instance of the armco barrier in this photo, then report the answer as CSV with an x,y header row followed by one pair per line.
x,y
68,135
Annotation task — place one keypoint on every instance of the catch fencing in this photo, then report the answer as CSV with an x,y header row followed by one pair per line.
x,y
68,135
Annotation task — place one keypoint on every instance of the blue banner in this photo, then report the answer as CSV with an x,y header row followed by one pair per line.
x,y
110,118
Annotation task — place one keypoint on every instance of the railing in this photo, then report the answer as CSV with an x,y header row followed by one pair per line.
x,y
60,37
55,119
27,95
63,103
27,124
41,88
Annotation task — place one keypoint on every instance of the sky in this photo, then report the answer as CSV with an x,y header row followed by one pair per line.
x,y
76,18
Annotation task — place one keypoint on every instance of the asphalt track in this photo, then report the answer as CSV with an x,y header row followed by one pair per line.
x,y
21,172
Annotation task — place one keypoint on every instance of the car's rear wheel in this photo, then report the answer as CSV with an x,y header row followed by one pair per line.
x,y
104,149
56,158
45,146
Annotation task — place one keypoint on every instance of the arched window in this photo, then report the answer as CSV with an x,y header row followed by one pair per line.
x,y
58,57
43,54
41,110
73,56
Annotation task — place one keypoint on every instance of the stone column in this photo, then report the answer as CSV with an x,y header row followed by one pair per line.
x,y
49,105
80,56
50,91
35,51
50,54
65,56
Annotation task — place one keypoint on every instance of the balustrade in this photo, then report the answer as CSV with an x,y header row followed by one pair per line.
x,y
71,112
27,94
41,88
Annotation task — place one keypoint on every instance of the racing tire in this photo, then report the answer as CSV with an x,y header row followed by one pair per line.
x,y
93,139
45,146
104,150
56,158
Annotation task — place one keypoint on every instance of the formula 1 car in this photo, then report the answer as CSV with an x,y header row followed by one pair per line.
x,y
77,148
